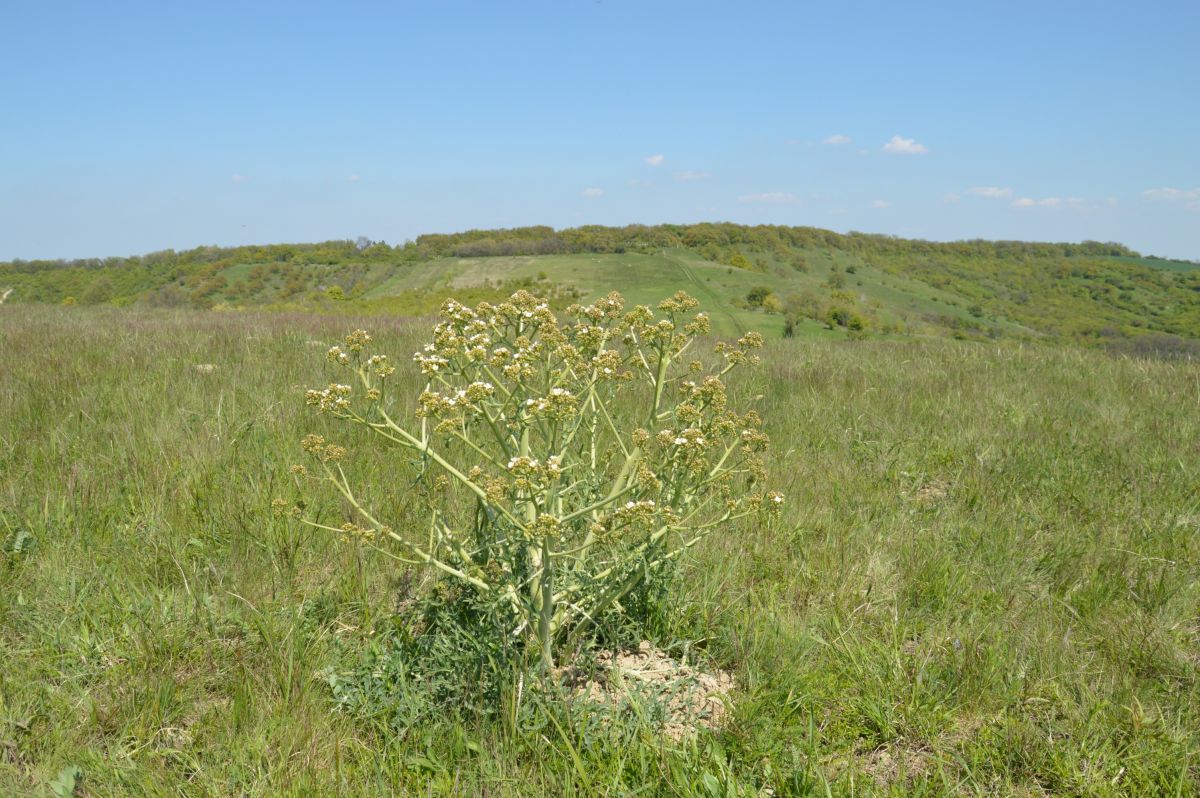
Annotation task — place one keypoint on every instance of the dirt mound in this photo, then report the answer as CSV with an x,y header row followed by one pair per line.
x,y
673,695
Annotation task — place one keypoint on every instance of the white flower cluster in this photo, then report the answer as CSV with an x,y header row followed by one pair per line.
x,y
380,365
530,473
333,399
429,360
559,403
690,439
453,310
538,310
434,403
639,513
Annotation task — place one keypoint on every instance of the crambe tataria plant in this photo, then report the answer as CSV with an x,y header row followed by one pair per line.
x,y
595,449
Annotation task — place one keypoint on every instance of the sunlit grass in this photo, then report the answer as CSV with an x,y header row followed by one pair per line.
x,y
986,580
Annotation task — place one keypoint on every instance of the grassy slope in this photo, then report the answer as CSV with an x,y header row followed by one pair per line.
x,y
896,287
985,581
647,278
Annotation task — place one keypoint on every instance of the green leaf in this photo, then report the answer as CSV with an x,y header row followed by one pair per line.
x,y
64,784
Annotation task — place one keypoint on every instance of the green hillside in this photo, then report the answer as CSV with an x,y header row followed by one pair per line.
x,y
793,281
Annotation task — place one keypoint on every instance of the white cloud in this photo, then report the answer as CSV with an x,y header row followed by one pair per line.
x,y
902,146
1172,194
1076,204
772,197
354,178
692,174
238,179
990,192
592,192
837,138
655,160
1045,202
951,197
881,204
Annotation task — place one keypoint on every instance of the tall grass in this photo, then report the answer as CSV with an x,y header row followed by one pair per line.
x,y
985,581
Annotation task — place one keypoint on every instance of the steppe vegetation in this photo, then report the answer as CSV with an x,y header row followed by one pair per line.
x,y
984,581
796,281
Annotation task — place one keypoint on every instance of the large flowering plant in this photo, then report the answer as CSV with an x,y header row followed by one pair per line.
x,y
594,449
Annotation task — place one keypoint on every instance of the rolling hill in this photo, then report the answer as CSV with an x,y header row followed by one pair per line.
x,y
795,281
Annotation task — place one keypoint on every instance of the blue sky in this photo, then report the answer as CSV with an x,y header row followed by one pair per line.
x,y
131,127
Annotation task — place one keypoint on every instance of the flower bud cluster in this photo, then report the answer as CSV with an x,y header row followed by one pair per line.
x,y
559,404
607,309
770,503
529,473
607,363
640,513
317,446
282,508
356,340
379,364
691,438
679,303
438,405
351,531
546,527
334,399
740,352
700,325
710,392
430,360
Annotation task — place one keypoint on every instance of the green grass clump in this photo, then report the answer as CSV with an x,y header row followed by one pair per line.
x,y
985,580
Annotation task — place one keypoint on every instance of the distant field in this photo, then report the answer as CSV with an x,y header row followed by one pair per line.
x,y
985,582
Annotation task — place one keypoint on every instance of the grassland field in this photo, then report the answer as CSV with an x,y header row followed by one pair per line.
x,y
986,581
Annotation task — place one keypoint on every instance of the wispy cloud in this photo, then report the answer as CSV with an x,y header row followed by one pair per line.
x,y
902,146
1076,204
1049,202
691,174
951,197
769,197
881,204
655,160
990,192
354,178
592,192
1172,194
238,179
837,138
1190,197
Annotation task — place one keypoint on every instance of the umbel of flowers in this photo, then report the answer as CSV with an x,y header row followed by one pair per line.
x,y
596,449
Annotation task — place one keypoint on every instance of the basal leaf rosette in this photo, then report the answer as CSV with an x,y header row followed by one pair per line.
x,y
593,447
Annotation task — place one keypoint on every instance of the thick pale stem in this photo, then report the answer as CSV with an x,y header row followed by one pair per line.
x,y
546,608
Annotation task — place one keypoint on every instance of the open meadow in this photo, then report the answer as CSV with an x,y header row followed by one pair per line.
x,y
985,580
